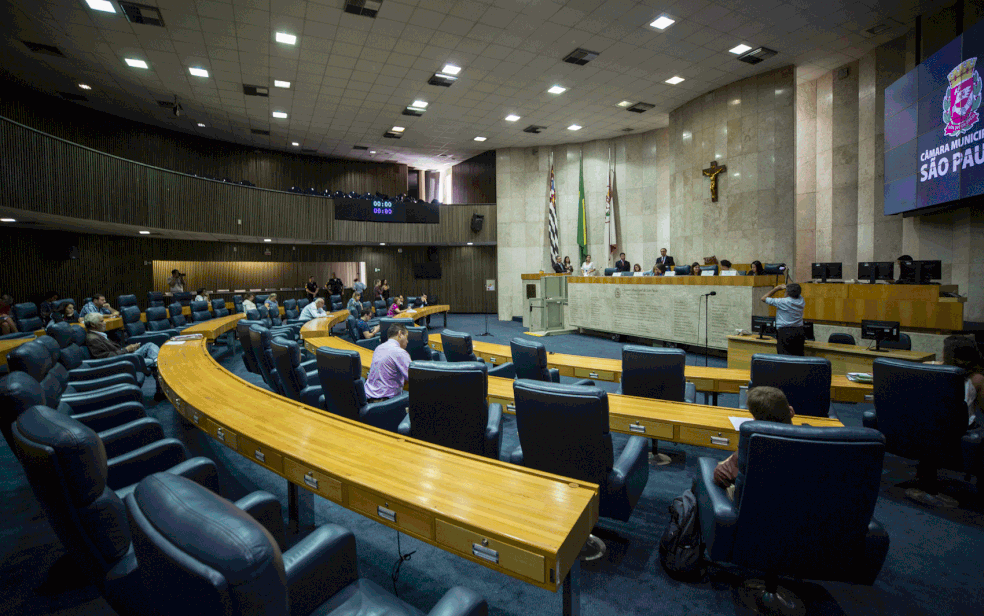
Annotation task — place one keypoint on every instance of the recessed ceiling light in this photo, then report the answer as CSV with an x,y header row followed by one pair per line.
x,y
451,69
739,49
198,72
101,5
512,117
372,151
574,127
85,86
200,125
420,104
294,143
398,129
470,243
279,114
625,104
267,240
663,22
382,243
557,90
283,37
135,63
281,84
674,80
480,138
7,220
145,233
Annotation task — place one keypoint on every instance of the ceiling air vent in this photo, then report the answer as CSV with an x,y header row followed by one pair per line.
x,y
640,107
533,128
413,111
78,98
581,56
142,14
366,8
50,50
359,147
249,90
757,55
442,79
391,135
879,29
258,131
309,150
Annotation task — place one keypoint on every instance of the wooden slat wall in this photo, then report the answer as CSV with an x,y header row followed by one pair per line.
x,y
231,275
473,180
455,228
34,262
192,154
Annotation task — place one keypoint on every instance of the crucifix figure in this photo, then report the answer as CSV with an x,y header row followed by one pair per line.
x,y
712,172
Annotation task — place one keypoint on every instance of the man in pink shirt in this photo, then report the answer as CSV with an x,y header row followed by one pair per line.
x,y
390,366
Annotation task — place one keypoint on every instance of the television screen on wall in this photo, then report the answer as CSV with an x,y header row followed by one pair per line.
x,y
934,136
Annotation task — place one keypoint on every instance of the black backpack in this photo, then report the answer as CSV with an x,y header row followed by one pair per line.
x,y
681,548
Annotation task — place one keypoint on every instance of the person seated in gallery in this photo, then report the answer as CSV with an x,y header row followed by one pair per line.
x,y
636,268
366,330
398,306
658,270
558,267
724,265
248,303
7,325
695,269
757,269
354,302
65,314
313,310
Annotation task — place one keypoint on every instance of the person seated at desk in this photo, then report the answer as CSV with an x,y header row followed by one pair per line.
x,y
962,352
362,324
202,295
398,306
724,266
588,267
765,404
567,265
100,347
636,268
695,269
757,269
272,305
558,267
658,270
906,278
664,259
420,303
622,265
790,336
248,303
390,366
99,305
65,314
313,310
7,325
354,302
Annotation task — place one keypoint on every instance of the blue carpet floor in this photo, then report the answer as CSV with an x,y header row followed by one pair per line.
x,y
934,565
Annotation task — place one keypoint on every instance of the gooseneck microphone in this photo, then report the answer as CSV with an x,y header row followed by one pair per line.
x,y
711,293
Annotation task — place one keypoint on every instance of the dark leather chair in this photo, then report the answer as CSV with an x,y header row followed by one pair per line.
x,y
381,308
259,341
709,268
610,271
530,360
418,345
136,331
841,338
921,410
219,308
293,377
657,373
904,343
336,303
200,312
261,299
340,375
804,380
386,322
302,304
17,336
563,429
249,357
72,357
125,301
356,335
193,543
457,347
803,505
78,334
155,299
26,317
157,321
290,310
184,297
178,319
682,270
448,407
237,303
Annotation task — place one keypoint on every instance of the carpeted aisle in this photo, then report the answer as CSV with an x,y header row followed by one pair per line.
x,y
934,565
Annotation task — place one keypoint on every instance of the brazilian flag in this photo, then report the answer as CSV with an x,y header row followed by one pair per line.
x,y
582,221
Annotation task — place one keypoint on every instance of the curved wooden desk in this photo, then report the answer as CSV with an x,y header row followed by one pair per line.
x,y
426,311
322,326
706,379
532,524
843,358
692,424
213,328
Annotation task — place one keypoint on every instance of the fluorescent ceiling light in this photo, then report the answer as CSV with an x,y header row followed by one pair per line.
x,y
470,243
281,84
451,69
145,233
372,151
200,125
135,63
480,138
557,90
85,86
294,143
279,114
674,80
267,240
101,5
420,104
7,220
398,129
283,37
625,104
512,117
663,22
574,127
382,243
739,49
198,72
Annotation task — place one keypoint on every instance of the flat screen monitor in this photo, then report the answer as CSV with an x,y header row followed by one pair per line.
x,y
876,270
825,271
880,331
427,271
921,272
764,326
774,269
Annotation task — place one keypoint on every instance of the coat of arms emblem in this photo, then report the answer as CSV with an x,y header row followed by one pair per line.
x,y
962,99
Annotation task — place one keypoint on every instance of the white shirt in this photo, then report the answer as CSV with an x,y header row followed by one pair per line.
x,y
970,396
311,311
248,305
587,267
201,298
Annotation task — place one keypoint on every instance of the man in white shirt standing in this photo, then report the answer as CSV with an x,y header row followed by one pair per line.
x,y
588,267
790,337
313,311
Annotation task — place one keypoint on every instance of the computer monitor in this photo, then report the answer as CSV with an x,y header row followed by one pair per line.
x,y
876,270
879,331
764,326
823,271
774,269
921,272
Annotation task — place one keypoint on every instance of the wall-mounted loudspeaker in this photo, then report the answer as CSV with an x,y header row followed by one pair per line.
x,y
432,255
477,221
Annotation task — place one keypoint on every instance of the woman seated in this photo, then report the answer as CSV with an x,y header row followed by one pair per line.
x,y
202,295
248,303
636,268
658,270
65,314
757,269
355,303
272,305
397,306
7,325
695,269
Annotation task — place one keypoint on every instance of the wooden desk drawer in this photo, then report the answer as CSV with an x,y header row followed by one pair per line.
x,y
313,480
261,454
641,427
509,557
496,360
601,375
224,435
708,438
385,510
196,417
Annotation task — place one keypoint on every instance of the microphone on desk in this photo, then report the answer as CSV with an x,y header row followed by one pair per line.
x,y
711,293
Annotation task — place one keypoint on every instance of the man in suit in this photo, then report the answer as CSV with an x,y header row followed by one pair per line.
x,y
664,259
558,266
622,265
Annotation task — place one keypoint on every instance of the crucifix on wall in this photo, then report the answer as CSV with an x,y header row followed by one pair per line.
x,y
712,172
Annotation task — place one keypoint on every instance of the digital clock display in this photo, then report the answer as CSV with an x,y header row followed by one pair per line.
x,y
386,210
382,208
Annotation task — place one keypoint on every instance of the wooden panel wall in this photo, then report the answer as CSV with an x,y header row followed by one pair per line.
x,y
192,154
35,262
455,228
232,275
473,180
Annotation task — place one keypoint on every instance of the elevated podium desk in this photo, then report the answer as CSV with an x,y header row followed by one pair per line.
x,y
669,308
843,358
914,306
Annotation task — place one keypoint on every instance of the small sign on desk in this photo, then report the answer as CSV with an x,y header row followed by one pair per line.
x,y
490,284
